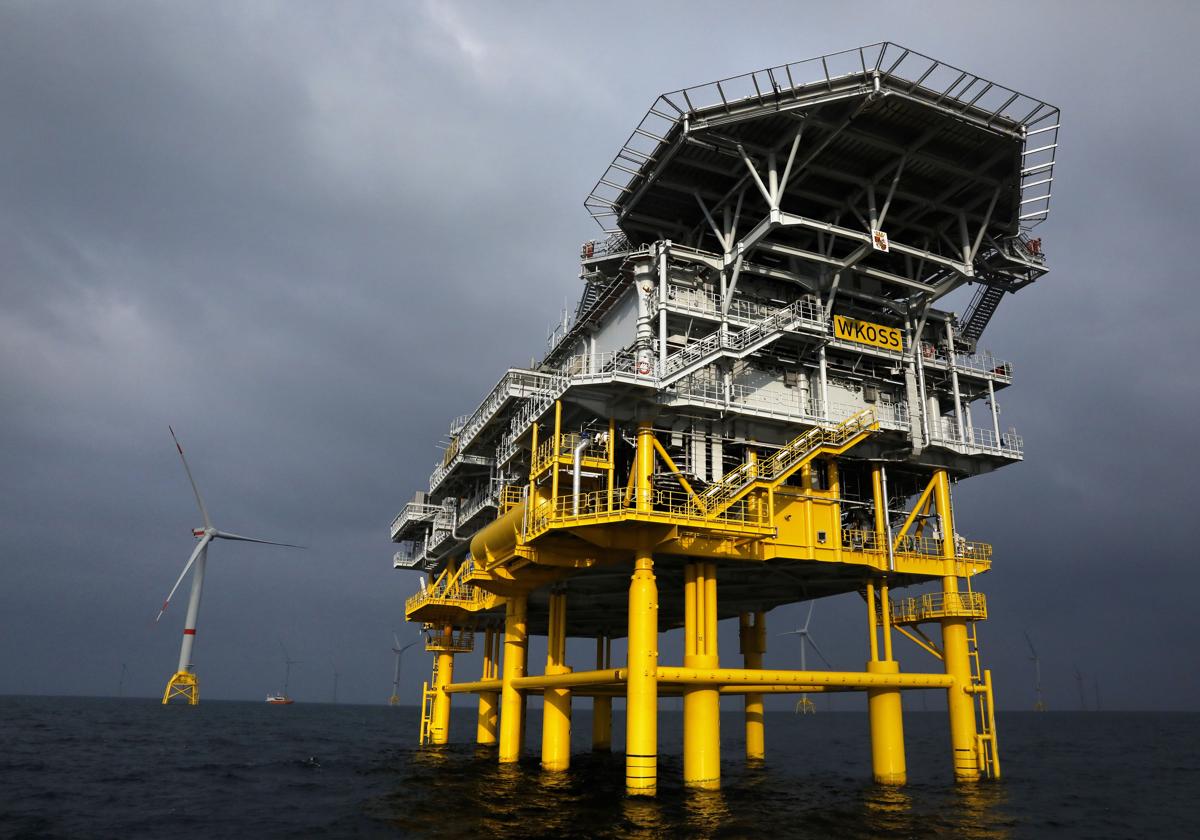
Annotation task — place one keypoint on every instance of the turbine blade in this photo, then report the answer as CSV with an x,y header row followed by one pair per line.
x,y
395,639
811,604
188,470
407,646
791,632
817,651
1029,641
225,535
286,656
186,566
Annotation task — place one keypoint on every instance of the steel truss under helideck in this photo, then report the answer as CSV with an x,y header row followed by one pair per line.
x,y
756,402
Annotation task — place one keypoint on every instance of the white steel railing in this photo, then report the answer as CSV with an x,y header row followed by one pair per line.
x,y
901,71
984,363
945,430
412,512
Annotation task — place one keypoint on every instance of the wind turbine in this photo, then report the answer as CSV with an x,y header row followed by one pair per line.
x,y
184,683
394,700
804,705
121,685
1038,706
335,682
1082,696
288,662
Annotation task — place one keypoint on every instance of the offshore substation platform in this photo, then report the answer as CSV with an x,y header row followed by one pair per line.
x,y
755,403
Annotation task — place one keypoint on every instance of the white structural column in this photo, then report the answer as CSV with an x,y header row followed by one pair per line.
x,y
950,360
663,250
193,612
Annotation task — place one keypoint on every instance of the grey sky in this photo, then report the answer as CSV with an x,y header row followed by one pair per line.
x,y
310,234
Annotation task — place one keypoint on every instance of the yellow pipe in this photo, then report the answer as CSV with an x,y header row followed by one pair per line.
x,y
572,679
885,609
612,460
854,679
701,705
956,651
602,705
557,448
439,727
556,707
485,728
477,687
641,737
512,701
753,641
885,710
495,542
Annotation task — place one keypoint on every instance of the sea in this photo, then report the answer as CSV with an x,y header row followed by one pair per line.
x,y
130,768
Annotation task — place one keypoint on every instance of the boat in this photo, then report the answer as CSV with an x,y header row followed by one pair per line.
x,y
280,699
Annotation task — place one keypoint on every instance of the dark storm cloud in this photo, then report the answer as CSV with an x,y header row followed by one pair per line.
x,y
308,235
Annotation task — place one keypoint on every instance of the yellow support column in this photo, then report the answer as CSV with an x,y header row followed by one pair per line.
x,y
753,638
602,706
439,727
955,649
701,704
556,707
641,719
485,730
512,700
885,707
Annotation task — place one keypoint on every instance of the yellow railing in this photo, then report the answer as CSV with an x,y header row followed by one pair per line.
x,y
546,451
912,546
935,605
510,497
673,504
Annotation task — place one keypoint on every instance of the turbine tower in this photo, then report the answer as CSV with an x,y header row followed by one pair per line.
x,y
184,683
804,705
394,700
1038,706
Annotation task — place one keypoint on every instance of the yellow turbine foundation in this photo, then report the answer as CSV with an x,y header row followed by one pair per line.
x,y
182,684
512,699
701,704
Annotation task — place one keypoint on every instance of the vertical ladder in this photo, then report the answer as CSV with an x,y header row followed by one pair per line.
x,y
427,695
987,748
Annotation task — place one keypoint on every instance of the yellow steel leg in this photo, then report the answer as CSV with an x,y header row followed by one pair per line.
x,y
955,650
887,728
512,700
602,706
884,705
701,704
439,728
641,737
485,730
753,637
556,708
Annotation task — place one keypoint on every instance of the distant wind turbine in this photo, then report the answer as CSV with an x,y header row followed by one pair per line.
x,y
394,700
804,705
1038,706
335,682
184,683
288,662
1082,695
121,685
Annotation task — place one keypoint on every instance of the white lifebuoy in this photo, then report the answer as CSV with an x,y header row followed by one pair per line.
x,y
643,368
927,350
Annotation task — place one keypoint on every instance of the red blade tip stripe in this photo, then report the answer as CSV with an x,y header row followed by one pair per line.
x,y
191,632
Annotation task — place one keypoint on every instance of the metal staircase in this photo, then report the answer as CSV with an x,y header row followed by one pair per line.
x,y
736,345
779,466
979,313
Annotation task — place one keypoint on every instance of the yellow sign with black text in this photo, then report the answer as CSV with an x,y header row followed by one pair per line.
x,y
864,332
